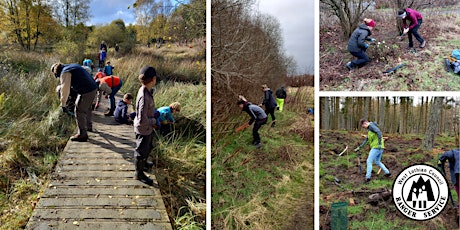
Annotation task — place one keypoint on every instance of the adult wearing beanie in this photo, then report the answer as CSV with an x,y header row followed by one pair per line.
x,y
357,46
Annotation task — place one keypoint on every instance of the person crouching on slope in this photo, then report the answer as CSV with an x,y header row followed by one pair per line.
x,y
375,140
258,117
356,45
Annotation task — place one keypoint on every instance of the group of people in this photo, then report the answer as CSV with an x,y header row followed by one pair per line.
x,y
357,46
78,82
257,115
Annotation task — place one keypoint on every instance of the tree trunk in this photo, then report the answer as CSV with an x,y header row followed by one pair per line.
x,y
433,123
325,113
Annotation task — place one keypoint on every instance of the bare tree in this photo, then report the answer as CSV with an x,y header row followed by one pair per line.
x,y
433,123
71,12
348,12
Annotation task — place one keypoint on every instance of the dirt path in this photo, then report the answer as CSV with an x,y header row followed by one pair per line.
x,y
93,186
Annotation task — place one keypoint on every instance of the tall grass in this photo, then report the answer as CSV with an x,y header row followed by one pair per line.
x,y
32,133
181,156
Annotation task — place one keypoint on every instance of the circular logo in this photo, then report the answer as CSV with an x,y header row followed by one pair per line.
x,y
420,192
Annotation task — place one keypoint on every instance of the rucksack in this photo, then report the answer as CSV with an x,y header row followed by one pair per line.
x,y
456,54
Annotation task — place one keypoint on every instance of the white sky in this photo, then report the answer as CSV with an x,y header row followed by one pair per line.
x,y
297,23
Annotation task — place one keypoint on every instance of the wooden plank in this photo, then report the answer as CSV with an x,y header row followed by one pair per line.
x,y
92,202
99,225
145,214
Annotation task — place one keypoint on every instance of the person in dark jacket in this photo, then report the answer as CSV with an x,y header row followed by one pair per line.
x,y
415,19
453,156
356,45
121,111
73,76
258,117
280,97
269,102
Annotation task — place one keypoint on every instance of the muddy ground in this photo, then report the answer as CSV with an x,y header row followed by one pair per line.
x,y
400,152
387,52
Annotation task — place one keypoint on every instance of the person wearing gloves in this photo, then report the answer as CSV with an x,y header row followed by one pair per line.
x,y
258,117
415,19
144,122
375,140
356,45
73,76
453,156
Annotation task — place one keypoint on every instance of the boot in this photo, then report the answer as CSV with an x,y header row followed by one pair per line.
x,y
139,173
109,113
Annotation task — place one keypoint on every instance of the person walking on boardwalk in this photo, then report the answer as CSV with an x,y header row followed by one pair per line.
x,y
280,97
166,119
415,19
114,83
257,116
269,102
73,76
376,142
356,45
144,122
453,156
121,114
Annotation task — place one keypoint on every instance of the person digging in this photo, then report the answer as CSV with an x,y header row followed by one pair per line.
x,y
376,143
453,156
415,19
258,117
357,46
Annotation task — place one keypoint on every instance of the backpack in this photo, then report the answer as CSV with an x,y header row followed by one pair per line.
x,y
456,54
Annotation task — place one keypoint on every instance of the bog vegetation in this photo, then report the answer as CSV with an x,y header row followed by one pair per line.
x,y
33,132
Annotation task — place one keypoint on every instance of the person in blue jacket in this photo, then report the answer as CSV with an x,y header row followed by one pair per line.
x,y
108,69
454,164
121,114
166,119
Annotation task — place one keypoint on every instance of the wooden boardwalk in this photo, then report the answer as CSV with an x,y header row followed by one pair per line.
x,y
93,186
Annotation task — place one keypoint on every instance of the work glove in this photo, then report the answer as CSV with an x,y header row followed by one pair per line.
x,y
66,111
357,149
372,39
366,46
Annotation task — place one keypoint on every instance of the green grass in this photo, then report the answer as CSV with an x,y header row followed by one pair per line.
x,y
259,189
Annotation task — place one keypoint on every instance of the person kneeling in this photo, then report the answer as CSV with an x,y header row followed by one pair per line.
x,y
121,114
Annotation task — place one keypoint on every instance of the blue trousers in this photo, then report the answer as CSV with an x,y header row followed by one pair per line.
x,y
112,95
375,155
362,58
414,32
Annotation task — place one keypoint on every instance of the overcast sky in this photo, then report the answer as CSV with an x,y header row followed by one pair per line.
x,y
297,23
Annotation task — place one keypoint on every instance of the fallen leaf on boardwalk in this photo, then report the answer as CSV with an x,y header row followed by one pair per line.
x,y
137,197
97,180
115,187
125,180
97,195
110,197
87,208
133,203
76,223
51,185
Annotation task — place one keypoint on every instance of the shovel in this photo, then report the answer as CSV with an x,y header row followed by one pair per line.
x,y
359,163
450,194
